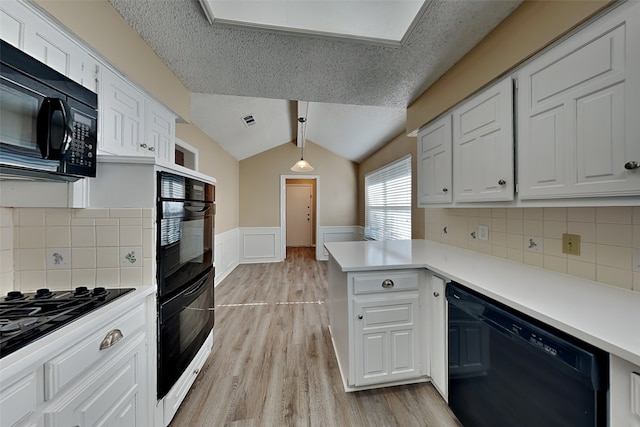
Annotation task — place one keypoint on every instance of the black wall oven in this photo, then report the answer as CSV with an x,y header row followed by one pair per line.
x,y
186,209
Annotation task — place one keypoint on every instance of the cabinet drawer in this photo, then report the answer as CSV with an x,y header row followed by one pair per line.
x,y
71,364
385,282
18,400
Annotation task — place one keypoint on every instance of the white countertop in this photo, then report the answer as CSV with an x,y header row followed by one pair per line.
x,y
605,316
36,353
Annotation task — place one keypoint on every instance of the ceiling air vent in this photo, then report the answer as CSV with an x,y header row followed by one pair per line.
x,y
249,120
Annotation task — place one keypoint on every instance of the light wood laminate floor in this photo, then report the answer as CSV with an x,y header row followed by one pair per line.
x,y
273,362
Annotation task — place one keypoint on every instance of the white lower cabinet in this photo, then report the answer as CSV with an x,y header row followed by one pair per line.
x,y
376,321
386,338
624,393
438,334
100,379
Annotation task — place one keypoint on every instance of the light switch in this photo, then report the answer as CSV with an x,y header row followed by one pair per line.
x,y
483,232
635,394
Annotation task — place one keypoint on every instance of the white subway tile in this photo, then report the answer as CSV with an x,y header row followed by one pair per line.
x,y
137,222
83,236
6,261
125,213
106,222
148,223
636,281
554,229
555,214
83,277
107,257
516,255
130,256
555,263
498,238
58,236
108,277
515,213
498,213
534,259
614,215
91,213
59,279
148,213
6,238
6,217
30,217
614,276
130,236
636,236
581,214
533,244
586,230
515,241
498,224
585,270
131,276
149,247
587,253
532,213
7,282
148,271
499,251
30,237
30,259
636,215
614,256
107,235
83,258
58,217
533,227
553,247
83,222
614,234
515,226
30,280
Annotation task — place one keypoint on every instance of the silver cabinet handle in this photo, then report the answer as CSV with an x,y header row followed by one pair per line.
x,y
196,371
152,148
502,182
111,339
436,294
444,190
144,145
388,283
631,165
360,316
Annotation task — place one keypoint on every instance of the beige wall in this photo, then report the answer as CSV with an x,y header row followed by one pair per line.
x,y
103,29
528,29
216,162
396,149
260,185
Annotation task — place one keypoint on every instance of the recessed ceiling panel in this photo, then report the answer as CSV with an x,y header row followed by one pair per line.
x,y
381,21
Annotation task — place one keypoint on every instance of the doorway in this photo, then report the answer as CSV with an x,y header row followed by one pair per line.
x,y
299,206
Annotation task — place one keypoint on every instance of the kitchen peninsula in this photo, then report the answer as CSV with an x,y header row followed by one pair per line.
x,y
397,288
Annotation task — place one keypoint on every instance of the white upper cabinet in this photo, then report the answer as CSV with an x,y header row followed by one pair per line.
x,y
160,131
578,113
434,162
483,146
28,31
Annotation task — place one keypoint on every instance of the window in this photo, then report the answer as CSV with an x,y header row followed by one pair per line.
x,y
387,213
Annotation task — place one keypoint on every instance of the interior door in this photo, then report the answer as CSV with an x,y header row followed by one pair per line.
x,y
299,214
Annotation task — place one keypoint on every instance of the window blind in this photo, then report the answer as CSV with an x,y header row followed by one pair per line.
x,y
387,213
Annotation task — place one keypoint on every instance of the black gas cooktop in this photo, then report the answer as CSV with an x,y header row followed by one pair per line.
x,y
26,317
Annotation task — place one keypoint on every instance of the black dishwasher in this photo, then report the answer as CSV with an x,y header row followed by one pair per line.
x,y
508,369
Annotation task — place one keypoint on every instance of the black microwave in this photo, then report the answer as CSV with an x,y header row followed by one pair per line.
x,y
48,122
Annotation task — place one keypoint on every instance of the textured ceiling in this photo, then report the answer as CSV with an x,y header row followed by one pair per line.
x,y
213,60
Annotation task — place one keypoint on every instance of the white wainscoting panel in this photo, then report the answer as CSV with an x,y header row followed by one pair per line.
x,y
345,233
259,244
227,253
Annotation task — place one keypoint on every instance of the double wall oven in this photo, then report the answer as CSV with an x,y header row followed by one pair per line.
x,y
186,209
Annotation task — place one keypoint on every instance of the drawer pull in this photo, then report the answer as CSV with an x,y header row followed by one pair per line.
x,y
631,165
436,294
502,182
388,283
111,339
360,316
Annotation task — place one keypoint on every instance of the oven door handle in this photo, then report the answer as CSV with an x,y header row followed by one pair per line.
x,y
197,209
196,287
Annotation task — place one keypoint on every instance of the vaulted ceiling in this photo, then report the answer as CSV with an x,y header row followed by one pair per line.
x,y
357,90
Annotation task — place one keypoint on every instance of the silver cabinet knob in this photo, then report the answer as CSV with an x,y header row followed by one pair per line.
x,y
360,316
144,145
436,294
388,283
631,165
444,190
502,182
152,148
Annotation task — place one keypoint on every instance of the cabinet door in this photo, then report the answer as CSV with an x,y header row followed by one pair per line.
x,y
387,338
434,163
114,395
578,113
438,342
483,146
121,109
160,132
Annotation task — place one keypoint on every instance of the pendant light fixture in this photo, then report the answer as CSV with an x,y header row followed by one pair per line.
x,y
302,165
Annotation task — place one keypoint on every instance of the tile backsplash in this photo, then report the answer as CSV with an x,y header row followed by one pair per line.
x,y
610,238
65,248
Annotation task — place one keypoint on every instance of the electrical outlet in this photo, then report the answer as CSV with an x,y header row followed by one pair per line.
x,y
483,232
571,244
